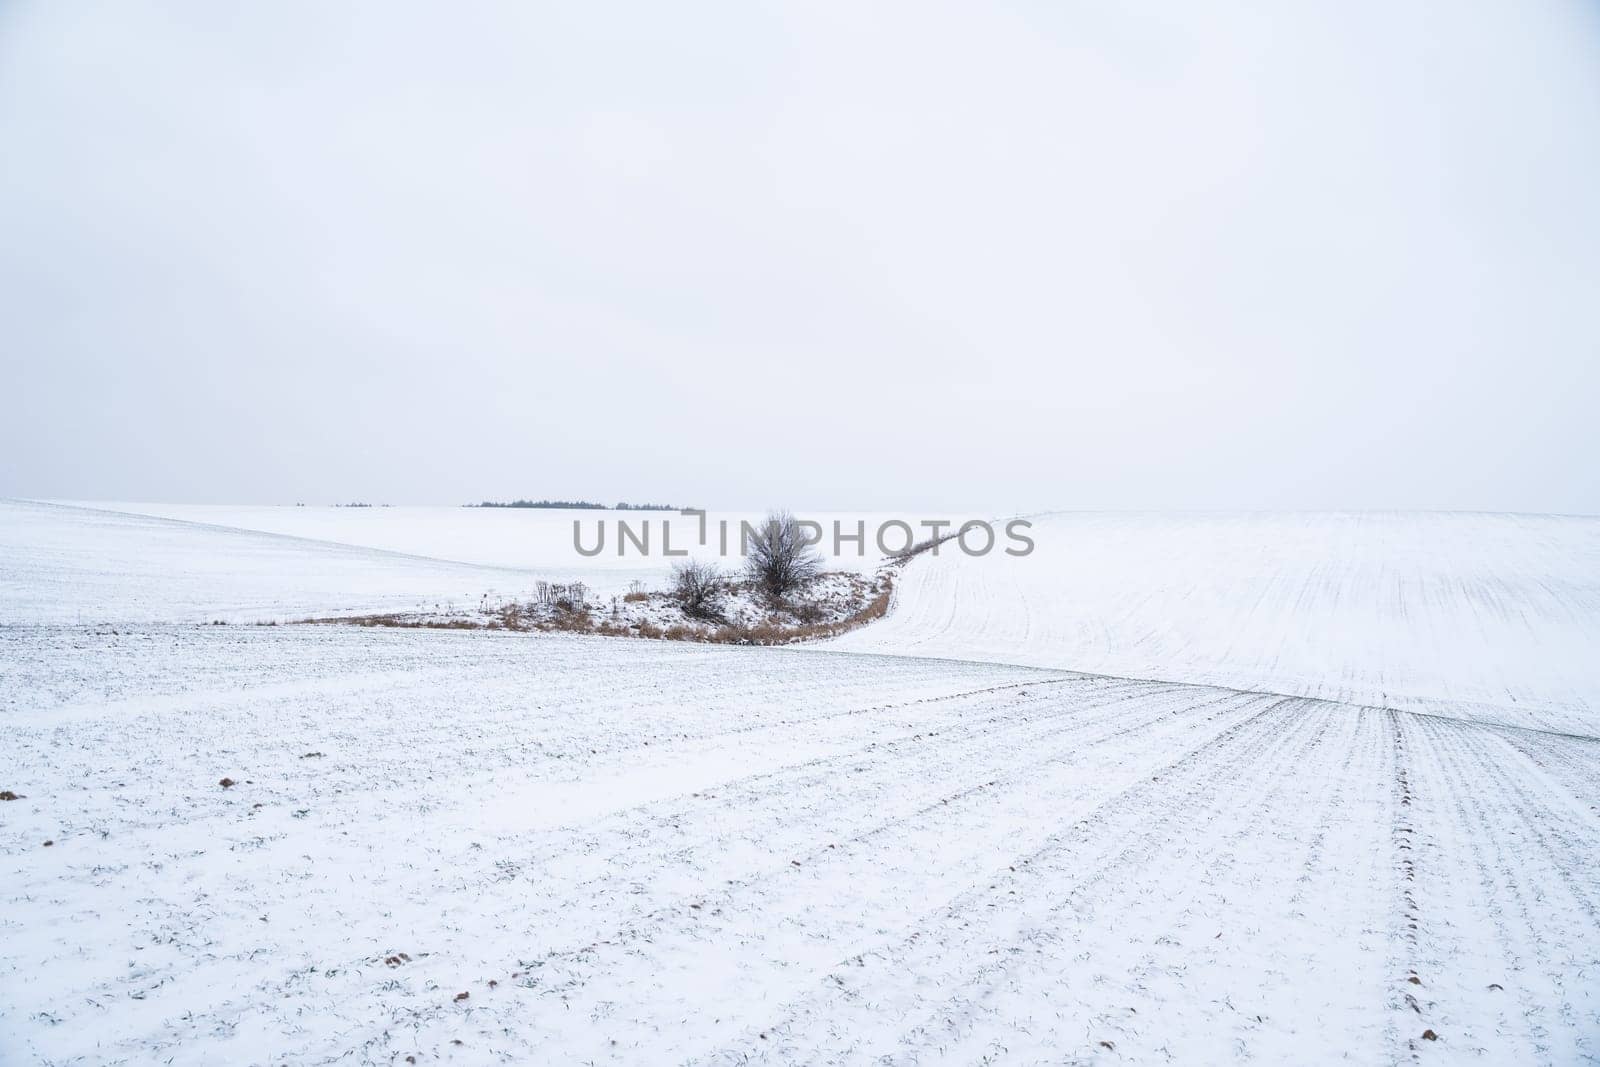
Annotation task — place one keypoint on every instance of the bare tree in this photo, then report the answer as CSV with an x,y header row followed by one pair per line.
x,y
698,587
778,558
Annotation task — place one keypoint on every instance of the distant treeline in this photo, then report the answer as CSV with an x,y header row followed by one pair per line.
x,y
583,505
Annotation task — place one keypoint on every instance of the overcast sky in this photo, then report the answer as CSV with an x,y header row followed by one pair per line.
x,y
974,256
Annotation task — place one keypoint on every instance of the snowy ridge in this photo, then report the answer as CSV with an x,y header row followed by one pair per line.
x,y
1492,615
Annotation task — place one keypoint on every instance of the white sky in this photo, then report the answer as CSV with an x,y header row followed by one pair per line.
x,y
822,255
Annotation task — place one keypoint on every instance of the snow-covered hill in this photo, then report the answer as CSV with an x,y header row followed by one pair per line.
x,y
1498,615
62,564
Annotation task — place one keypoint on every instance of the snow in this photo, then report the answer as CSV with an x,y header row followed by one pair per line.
x,y
1493,615
63,564
519,538
929,841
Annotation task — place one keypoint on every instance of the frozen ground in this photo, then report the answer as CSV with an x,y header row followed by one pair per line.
x,y
646,852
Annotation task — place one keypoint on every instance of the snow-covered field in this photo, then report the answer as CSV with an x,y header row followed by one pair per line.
x,y
85,566
1344,794
520,539
1499,614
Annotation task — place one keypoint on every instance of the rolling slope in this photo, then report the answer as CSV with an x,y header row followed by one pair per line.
x,y
1495,616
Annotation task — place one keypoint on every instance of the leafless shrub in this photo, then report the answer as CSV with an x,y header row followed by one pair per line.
x,y
698,587
778,558
568,596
